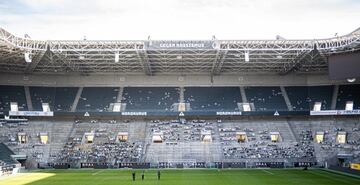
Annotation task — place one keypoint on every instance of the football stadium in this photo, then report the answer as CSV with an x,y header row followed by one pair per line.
x,y
184,112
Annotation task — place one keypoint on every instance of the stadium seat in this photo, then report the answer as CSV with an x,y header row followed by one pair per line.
x,y
12,94
213,98
97,99
266,98
348,93
150,98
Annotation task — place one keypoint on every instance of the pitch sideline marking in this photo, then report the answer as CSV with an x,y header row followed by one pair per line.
x,y
268,172
97,172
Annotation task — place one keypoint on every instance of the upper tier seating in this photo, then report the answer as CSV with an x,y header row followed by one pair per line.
x,y
64,98
213,98
150,98
97,98
163,98
12,94
59,98
266,98
41,95
303,98
348,93
321,94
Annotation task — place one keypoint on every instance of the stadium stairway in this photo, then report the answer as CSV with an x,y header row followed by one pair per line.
x,y
286,98
71,132
298,126
243,95
291,131
28,98
60,132
334,97
137,131
76,100
120,94
284,129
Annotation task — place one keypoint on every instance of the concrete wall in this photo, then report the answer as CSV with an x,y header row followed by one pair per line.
x,y
175,80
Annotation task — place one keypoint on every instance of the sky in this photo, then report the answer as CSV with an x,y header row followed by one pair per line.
x,y
179,19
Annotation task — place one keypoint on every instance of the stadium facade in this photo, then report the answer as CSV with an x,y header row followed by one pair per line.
x,y
185,104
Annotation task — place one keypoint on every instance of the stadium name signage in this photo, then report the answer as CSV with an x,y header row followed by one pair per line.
x,y
30,113
182,45
134,113
228,113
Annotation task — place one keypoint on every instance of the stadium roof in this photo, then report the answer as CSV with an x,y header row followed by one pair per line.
x,y
152,57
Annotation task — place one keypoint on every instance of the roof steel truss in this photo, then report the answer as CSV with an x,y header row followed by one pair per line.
x,y
171,57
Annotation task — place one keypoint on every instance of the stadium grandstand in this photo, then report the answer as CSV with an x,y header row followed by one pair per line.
x,y
158,104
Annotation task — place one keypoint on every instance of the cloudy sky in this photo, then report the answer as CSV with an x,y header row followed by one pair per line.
x,y
179,19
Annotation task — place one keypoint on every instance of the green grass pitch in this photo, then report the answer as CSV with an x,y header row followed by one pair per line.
x,y
182,177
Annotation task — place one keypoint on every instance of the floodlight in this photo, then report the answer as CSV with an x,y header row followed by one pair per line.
x,y
351,80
